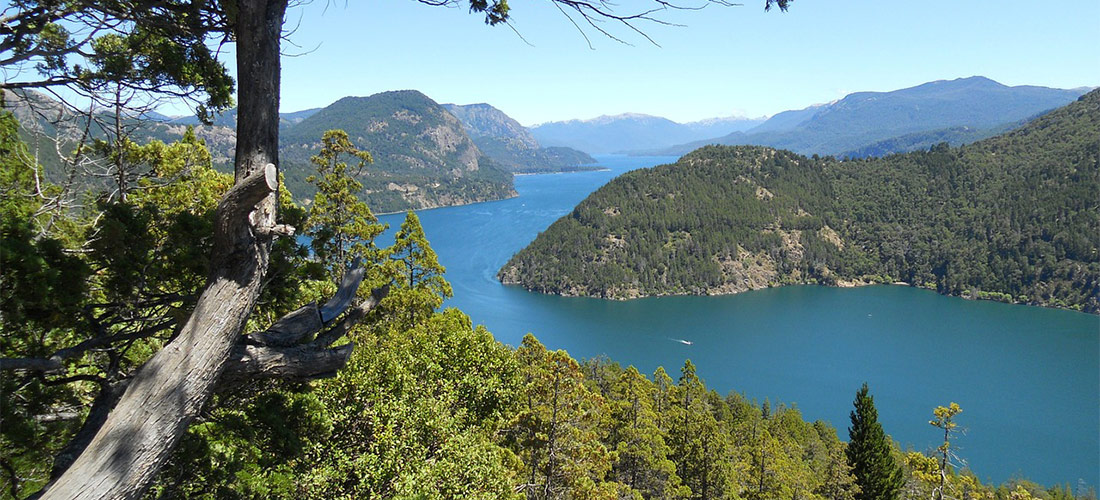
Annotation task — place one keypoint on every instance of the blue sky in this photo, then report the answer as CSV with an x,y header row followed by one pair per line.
x,y
725,61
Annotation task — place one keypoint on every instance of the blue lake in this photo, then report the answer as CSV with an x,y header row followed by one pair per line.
x,y
1027,378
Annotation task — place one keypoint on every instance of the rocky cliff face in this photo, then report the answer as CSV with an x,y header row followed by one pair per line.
x,y
482,120
510,144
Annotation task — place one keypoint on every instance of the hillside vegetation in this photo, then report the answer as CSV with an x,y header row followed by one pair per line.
x,y
422,156
427,405
1012,218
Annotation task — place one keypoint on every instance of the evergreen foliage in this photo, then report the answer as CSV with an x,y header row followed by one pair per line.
x,y
116,276
869,453
428,406
420,287
341,227
1011,218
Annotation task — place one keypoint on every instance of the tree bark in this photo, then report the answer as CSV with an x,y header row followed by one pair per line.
x,y
166,394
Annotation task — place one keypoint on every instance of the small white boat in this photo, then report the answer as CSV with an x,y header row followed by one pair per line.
x,y
685,342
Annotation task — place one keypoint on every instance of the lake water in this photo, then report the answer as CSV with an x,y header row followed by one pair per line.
x,y
1027,378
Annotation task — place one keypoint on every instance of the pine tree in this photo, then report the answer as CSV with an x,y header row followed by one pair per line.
x,y
641,454
556,431
696,439
837,482
419,286
869,454
341,225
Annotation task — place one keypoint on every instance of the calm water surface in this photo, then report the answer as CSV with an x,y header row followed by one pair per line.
x,y
1027,378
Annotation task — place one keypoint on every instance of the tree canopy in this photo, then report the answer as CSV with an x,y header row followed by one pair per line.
x,y
163,365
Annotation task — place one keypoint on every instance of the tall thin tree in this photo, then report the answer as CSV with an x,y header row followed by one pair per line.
x,y
879,477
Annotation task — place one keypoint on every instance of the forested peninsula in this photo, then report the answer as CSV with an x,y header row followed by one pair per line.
x,y
1012,218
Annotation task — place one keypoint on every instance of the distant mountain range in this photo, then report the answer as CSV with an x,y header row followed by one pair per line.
x,y
876,123
629,132
511,145
429,154
229,118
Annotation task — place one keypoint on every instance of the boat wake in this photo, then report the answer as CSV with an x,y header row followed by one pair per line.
x,y
682,341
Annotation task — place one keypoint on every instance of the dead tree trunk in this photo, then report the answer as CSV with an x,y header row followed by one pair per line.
x,y
165,395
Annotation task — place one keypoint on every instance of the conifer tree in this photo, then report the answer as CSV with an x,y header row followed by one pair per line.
x,y
869,454
837,482
556,432
642,462
341,225
696,438
662,396
417,274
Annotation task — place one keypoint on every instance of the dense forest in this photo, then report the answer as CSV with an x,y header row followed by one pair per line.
x,y
1012,218
427,406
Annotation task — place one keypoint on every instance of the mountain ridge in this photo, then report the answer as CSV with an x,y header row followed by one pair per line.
x,y
631,131
861,119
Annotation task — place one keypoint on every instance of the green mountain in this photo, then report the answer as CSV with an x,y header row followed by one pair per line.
x,y
1015,217
422,156
922,141
511,145
42,121
862,119
45,120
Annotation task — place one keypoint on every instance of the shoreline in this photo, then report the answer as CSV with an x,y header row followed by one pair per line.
x,y
845,285
595,169
516,195
422,209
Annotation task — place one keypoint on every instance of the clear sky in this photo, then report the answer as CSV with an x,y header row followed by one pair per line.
x,y
725,61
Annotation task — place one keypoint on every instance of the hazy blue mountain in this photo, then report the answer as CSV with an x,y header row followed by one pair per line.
x,y
510,144
229,118
787,120
155,116
483,120
712,126
296,117
422,155
865,118
631,132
